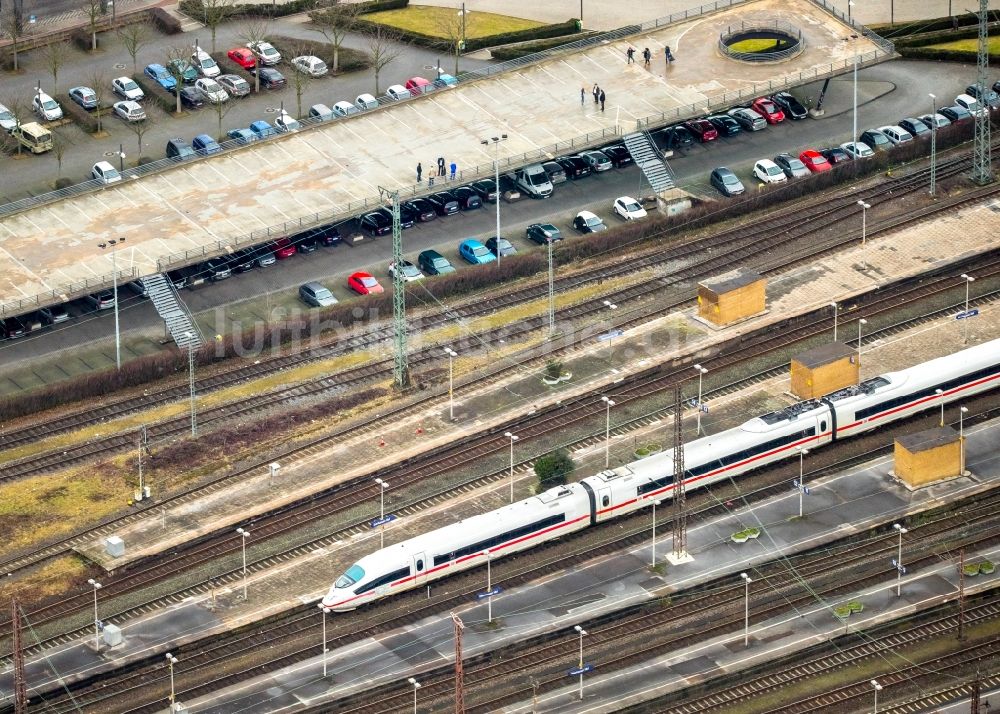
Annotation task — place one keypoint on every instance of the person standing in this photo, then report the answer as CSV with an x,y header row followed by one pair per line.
x,y
630,55
583,93
440,166
420,171
646,54
596,91
454,170
602,100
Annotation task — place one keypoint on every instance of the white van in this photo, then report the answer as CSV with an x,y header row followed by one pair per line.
x,y
33,136
534,180
971,104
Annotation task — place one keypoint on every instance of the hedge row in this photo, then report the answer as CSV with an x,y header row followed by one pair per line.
x,y
933,38
195,9
164,21
523,49
144,370
928,53
351,60
903,29
154,92
84,119
439,43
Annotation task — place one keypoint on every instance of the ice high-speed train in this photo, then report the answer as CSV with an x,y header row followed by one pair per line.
x,y
611,493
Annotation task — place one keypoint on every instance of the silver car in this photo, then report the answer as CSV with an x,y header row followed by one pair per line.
x,y
314,294
235,85
748,118
792,167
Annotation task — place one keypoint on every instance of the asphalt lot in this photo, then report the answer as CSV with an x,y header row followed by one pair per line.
x,y
887,93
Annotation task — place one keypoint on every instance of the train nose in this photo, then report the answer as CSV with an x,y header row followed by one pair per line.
x,y
332,597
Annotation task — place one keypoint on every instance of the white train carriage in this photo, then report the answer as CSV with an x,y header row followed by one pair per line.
x,y
759,441
897,395
460,546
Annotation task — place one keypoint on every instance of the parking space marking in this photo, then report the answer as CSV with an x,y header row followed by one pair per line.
x,y
26,269
494,117
442,108
183,216
218,173
53,214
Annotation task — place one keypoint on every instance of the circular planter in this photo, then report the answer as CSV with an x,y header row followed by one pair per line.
x,y
761,41
842,611
987,568
550,381
740,537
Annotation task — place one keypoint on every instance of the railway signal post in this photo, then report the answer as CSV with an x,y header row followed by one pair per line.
x,y
800,485
746,608
701,373
97,623
898,562
878,688
323,611
381,511
582,632
244,534
655,504
607,431
513,438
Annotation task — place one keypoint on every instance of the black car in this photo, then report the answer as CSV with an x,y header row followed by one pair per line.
x,y
54,314
543,233
587,222
955,114
433,263
468,198
792,106
242,260
305,244
576,167
835,155
989,98
13,328
618,154
408,216
487,190
218,268
916,127
444,203
555,172
726,125
191,98
376,223
422,209
676,137
270,78
501,248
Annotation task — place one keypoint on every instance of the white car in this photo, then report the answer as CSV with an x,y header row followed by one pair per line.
x,y
321,112
235,85
409,271
105,172
897,134
46,107
7,119
129,111
203,62
857,150
769,172
345,109
366,101
211,90
266,54
971,104
286,123
628,208
397,92
311,65
126,88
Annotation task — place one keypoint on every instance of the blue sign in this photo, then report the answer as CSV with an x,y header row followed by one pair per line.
x,y
610,335
897,566
967,313
388,518
805,489
496,590
577,671
704,407
32,19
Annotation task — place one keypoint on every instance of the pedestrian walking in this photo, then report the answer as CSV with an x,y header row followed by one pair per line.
x,y
440,166
454,170
596,91
420,171
668,55
583,93
630,54
646,54
602,100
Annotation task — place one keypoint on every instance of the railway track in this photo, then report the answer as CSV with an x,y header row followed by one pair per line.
x,y
343,498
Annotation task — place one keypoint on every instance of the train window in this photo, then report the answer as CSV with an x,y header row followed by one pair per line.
x,y
605,501
822,425
420,565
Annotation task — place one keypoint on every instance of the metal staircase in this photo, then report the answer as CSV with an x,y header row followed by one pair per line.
x,y
647,158
176,317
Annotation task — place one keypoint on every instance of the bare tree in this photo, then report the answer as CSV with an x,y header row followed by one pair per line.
x,y
56,55
60,142
99,83
92,10
139,128
215,13
177,62
133,36
19,109
222,109
384,46
451,26
12,26
253,32
300,80
334,22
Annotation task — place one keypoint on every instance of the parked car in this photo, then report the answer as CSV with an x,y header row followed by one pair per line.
x,y
598,160
748,119
500,247
407,217
243,260
768,172
13,328
126,88
328,234
792,167
234,85
618,154
46,107
286,123
265,53
792,107
971,105
433,263
487,188
84,96
938,119
587,222
179,149
364,284
702,129
815,161
315,295
105,173
183,69
205,145
320,112
555,172
574,166
242,136
509,189
896,134
915,127
628,208
475,252
191,98
835,155
32,321
444,203
768,109
203,62
129,111
534,181
243,57
725,125
305,243
310,65
468,198
270,78
218,269
376,223
408,270
262,129
676,137
956,113
366,101
283,248
857,150
876,140
54,314
345,109
989,97
104,300
7,119
727,183
423,210
211,90
543,233
159,74
418,85
397,92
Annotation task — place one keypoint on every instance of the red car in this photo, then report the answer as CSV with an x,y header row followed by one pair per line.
x,y
243,57
364,284
417,85
283,248
814,161
702,129
768,109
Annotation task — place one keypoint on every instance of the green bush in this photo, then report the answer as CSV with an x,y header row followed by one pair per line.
x,y
439,43
932,38
351,60
523,49
928,53
164,21
553,469
154,92
86,120
195,9
903,29
81,38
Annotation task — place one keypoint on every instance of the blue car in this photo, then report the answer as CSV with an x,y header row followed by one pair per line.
x,y
475,252
84,96
204,145
161,76
262,129
445,80
242,136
